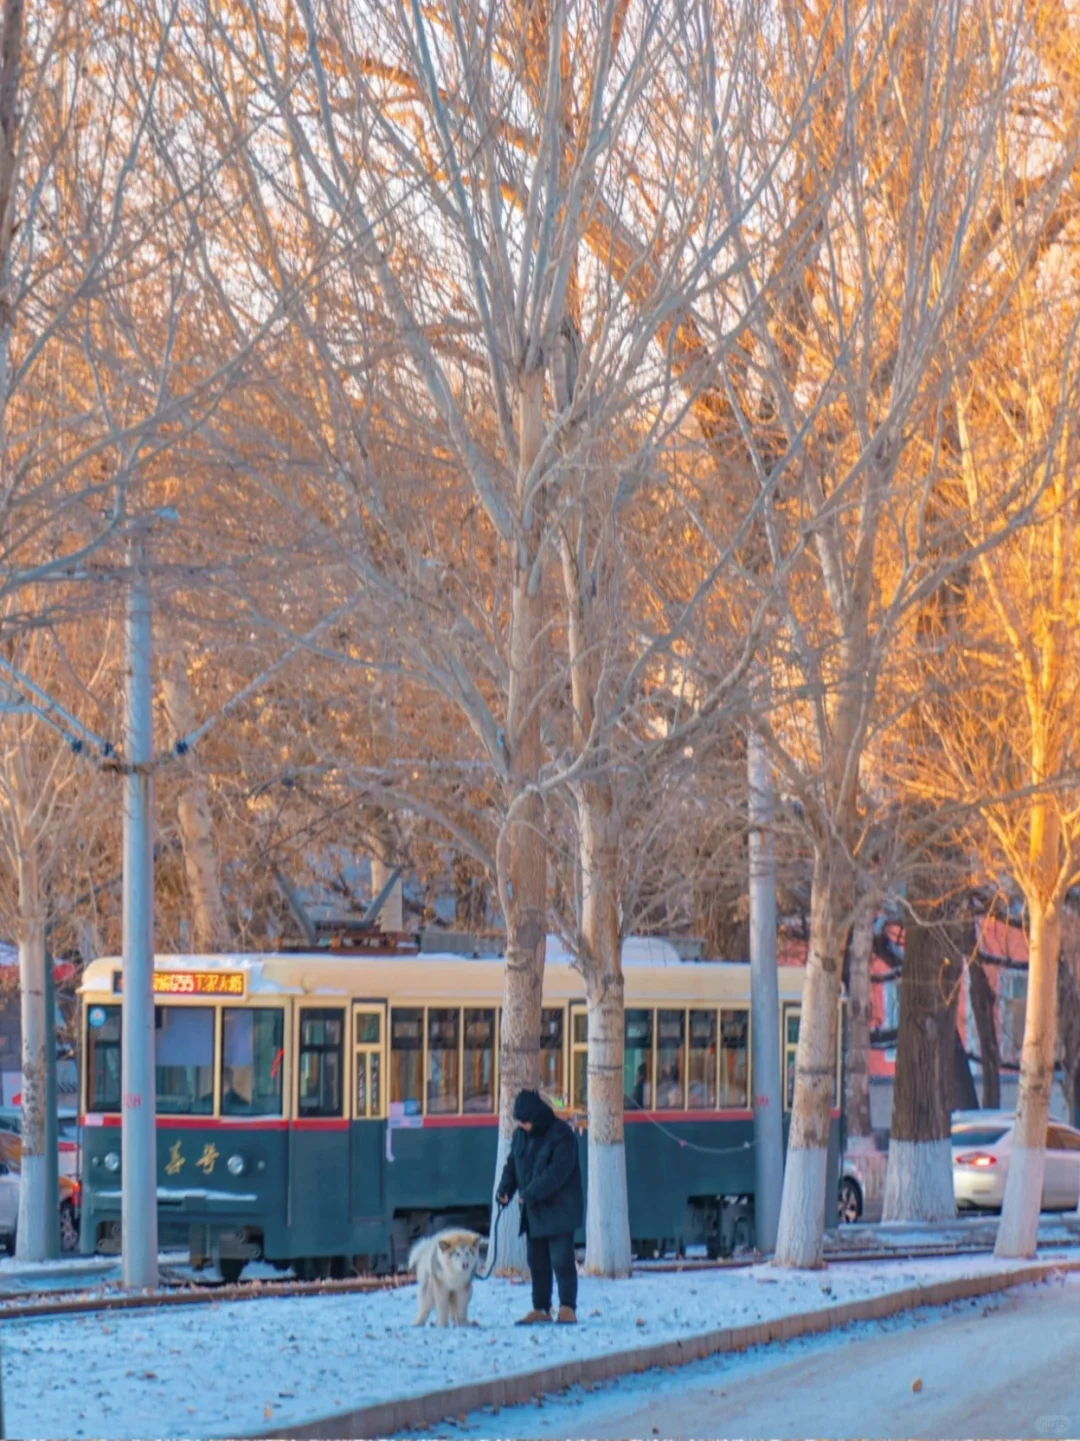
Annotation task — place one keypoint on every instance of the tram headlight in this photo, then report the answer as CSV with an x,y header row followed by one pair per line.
x,y
236,1165
112,1161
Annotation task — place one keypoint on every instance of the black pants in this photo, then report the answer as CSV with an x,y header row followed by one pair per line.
x,y
547,1254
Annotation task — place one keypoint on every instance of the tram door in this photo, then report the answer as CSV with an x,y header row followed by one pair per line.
x,y
369,1079
319,1140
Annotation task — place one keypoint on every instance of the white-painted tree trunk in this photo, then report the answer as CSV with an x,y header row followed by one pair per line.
x,y
802,1208
210,924
37,1236
1019,1229
607,1221
919,1182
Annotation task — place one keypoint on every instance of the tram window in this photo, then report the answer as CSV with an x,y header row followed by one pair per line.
x,y
322,1041
407,1057
791,1047
368,1026
551,1052
637,1060
443,1026
252,1055
670,1059
579,1044
479,1086
103,1031
734,1059
184,1060
701,1067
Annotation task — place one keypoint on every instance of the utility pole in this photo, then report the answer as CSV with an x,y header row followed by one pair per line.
x,y
52,1139
138,1174
764,1003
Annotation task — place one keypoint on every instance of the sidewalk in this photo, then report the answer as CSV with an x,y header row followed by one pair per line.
x,y
278,1366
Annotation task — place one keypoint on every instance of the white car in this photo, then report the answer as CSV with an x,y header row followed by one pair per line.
x,y
981,1142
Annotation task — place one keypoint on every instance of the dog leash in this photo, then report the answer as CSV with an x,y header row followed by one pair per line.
x,y
493,1249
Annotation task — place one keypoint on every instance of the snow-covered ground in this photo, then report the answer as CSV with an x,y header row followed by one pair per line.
x,y
231,1368
1000,1366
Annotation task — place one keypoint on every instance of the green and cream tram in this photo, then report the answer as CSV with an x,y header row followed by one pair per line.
x,y
320,1110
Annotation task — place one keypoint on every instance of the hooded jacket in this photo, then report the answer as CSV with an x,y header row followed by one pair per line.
x,y
543,1166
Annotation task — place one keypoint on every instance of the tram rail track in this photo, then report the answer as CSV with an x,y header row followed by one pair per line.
x,y
16,1305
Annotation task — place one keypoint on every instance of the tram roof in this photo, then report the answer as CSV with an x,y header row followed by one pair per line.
x,y
436,976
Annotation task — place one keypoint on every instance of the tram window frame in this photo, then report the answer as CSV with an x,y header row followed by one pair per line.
x,y
674,1098
320,1048
203,1103
371,1052
713,1047
554,1044
491,1095
451,1091
723,1103
579,1058
401,1013
277,1063
92,1104
633,1067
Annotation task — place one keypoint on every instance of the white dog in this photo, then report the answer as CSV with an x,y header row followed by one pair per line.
x,y
445,1266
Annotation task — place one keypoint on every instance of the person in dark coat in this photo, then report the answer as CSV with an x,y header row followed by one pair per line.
x,y
543,1168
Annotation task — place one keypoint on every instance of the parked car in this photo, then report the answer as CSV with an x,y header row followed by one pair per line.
x,y
862,1182
70,1208
981,1144
67,1145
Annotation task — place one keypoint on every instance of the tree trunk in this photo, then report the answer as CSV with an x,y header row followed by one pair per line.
x,y
982,1006
38,1235
607,1224
802,1209
860,1022
1018,1233
391,916
522,860
210,925
919,1182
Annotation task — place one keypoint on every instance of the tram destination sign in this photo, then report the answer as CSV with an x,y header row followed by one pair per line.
x,y
191,983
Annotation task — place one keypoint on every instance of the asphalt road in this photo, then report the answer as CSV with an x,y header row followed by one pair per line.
x,y
1008,1368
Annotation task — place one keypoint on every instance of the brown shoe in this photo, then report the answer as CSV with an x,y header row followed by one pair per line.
x,y
567,1316
535,1318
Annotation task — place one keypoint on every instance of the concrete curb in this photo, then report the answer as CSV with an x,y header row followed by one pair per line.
x,y
426,1409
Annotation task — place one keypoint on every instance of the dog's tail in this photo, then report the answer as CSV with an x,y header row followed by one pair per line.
x,y
417,1252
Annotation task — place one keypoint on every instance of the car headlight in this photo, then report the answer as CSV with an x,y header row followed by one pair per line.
x,y
236,1165
112,1161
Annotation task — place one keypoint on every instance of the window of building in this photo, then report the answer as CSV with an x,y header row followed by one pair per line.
x,y
252,1061
552,1076
702,1062
478,1087
734,1060
322,1055
444,1060
103,1033
638,1060
579,1045
369,1087
1012,990
184,1060
670,1059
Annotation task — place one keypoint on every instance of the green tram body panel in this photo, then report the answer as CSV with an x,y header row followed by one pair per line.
x,y
348,1188
345,1192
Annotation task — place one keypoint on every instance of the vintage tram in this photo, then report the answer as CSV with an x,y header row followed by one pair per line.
x,y
320,1110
